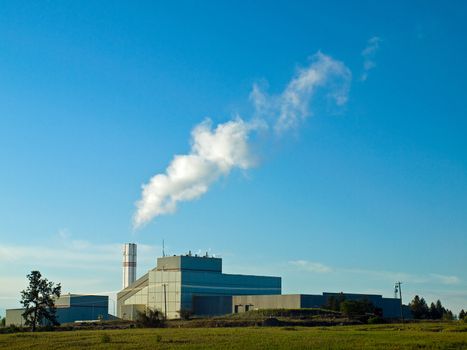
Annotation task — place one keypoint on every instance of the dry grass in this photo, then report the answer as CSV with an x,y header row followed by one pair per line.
x,y
394,336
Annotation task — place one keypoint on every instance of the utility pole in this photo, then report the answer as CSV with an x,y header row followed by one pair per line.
x,y
165,300
397,288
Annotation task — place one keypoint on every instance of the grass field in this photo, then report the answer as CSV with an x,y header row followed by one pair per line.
x,y
394,336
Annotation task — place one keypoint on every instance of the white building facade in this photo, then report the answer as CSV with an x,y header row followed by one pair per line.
x,y
176,280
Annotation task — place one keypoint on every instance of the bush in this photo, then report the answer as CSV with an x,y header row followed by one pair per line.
x,y
271,322
46,328
375,320
12,329
185,314
152,318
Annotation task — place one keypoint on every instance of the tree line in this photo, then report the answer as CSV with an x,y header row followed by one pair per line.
x,y
418,306
436,311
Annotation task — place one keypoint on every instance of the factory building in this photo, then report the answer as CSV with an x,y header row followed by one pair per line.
x,y
172,285
209,305
196,283
70,308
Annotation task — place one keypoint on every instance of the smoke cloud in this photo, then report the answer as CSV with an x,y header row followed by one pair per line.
x,y
289,109
369,56
216,151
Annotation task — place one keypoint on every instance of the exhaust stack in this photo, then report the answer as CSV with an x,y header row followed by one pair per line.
x,y
129,264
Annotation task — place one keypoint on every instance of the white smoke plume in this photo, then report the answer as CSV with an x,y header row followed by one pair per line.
x,y
289,109
369,56
215,152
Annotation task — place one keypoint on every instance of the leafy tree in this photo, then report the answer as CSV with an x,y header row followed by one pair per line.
x,y
38,300
3,321
357,307
334,302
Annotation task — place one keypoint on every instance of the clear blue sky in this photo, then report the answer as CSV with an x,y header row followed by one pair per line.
x,y
96,98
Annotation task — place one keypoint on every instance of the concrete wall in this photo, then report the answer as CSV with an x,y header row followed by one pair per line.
x,y
125,296
164,292
13,317
242,303
130,312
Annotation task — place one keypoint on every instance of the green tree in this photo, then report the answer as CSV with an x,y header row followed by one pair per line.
x,y
461,315
440,309
419,308
334,302
38,300
448,315
357,307
3,321
434,313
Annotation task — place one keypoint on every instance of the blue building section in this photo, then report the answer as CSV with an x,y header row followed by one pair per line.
x,y
70,308
198,283
83,308
390,307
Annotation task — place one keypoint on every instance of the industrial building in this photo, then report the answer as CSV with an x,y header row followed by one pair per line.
x,y
172,285
70,308
196,283
209,305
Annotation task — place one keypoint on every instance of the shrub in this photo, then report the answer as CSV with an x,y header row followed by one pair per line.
x,y
9,329
46,328
271,322
185,314
375,320
152,318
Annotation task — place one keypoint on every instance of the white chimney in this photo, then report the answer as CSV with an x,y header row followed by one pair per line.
x,y
129,264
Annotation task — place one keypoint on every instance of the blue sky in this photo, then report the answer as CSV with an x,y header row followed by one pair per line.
x,y
97,98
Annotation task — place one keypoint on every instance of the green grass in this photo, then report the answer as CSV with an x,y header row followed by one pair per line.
x,y
391,336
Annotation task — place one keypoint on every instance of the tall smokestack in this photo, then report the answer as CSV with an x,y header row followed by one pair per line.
x,y
129,264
